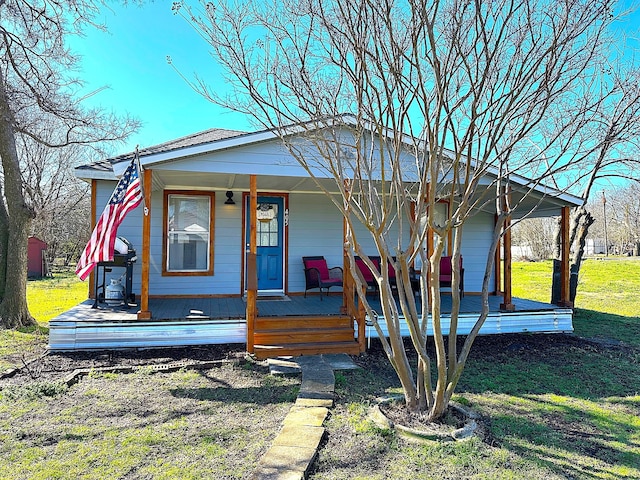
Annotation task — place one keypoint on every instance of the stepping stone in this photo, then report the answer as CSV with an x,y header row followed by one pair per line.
x,y
302,436
284,463
308,416
339,361
314,402
295,447
283,366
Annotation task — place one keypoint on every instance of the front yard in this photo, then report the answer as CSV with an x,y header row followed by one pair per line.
x,y
552,406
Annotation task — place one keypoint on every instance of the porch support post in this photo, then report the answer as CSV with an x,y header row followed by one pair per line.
x,y
346,277
145,313
507,301
252,273
565,296
94,193
497,278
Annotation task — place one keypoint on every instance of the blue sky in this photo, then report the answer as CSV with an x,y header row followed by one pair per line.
x,y
131,61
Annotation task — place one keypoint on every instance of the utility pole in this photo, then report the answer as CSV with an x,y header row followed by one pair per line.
x,y
604,216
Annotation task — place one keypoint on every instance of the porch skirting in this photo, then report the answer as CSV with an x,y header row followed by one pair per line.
x,y
84,328
558,320
106,335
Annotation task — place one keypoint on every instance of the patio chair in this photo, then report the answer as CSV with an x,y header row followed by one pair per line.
x,y
367,275
318,275
446,276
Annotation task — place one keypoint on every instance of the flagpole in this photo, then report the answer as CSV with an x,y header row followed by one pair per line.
x,y
142,183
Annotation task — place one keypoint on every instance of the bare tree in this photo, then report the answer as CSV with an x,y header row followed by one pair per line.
x,y
441,97
623,217
606,148
37,89
536,236
60,201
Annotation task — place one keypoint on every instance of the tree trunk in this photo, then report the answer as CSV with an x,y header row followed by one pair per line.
x,y
581,221
4,242
14,312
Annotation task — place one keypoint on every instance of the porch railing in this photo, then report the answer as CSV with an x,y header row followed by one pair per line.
x,y
355,309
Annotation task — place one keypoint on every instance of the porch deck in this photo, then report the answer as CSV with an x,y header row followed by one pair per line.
x,y
202,321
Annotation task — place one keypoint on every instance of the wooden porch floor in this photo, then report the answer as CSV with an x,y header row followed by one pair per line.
x,y
234,308
203,321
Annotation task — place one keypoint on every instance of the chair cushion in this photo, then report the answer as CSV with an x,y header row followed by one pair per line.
x,y
367,275
445,266
321,266
392,272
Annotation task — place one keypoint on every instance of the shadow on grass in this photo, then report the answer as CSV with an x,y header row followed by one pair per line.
x,y
249,395
565,403
572,441
593,324
273,390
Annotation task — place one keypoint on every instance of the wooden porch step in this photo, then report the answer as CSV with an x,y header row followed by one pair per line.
x,y
303,322
303,335
296,349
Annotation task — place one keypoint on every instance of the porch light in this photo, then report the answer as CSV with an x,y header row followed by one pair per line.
x,y
229,198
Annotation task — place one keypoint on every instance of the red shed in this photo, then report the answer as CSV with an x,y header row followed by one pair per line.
x,y
35,258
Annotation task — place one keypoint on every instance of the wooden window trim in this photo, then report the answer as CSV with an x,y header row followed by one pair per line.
x,y
165,233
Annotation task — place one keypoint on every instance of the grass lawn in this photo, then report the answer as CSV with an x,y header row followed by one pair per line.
x,y
46,298
552,406
49,297
607,303
187,424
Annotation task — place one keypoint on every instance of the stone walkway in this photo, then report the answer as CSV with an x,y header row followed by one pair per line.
x,y
295,448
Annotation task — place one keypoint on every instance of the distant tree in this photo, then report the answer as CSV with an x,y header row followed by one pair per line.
x,y
537,235
623,217
37,90
60,201
607,148
482,88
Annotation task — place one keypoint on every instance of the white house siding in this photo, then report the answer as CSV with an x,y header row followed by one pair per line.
x,y
269,158
558,320
227,253
476,240
315,228
227,249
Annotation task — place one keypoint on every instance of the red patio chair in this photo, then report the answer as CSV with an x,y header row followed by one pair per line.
x,y
318,275
446,276
367,275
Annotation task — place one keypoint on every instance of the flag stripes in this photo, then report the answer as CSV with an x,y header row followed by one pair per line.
x,y
126,196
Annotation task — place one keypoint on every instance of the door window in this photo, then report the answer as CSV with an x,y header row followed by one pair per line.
x,y
267,227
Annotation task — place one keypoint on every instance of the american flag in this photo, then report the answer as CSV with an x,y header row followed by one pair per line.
x,y
126,197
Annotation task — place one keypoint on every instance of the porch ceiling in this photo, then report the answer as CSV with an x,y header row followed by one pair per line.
x,y
163,179
544,206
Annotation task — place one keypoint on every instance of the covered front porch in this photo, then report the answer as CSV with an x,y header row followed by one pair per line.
x,y
216,320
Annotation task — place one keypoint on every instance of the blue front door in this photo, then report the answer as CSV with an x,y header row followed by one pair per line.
x,y
269,239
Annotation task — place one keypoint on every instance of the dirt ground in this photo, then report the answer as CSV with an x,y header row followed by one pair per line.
x,y
54,367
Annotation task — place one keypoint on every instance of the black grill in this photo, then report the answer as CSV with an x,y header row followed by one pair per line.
x,y
120,260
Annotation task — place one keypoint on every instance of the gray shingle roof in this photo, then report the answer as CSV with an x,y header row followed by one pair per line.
x,y
199,138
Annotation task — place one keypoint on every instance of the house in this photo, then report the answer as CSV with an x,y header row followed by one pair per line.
x,y
193,274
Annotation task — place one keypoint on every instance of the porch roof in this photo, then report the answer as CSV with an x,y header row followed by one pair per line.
x,y
207,160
